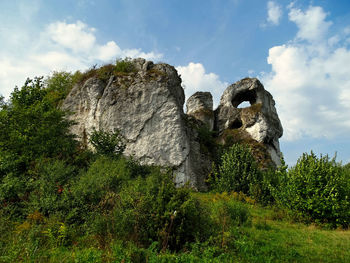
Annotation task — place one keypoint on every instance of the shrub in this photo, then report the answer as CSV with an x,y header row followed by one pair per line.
x,y
50,189
317,189
124,66
104,176
238,171
153,209
107,143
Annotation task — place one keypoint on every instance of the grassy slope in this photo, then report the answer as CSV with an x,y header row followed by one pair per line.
x,y
271,240
272,237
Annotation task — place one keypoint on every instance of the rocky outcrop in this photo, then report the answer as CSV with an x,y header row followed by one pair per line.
x,y
200,106
257,124
146,105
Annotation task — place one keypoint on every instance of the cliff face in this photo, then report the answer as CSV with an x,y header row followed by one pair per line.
x,y
146,105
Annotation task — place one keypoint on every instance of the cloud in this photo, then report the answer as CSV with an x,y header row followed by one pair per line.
x,y
311,23
310,78
76,36
194,78
274,13
60,46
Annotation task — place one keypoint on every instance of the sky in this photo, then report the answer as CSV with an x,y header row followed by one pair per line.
x,y
300,51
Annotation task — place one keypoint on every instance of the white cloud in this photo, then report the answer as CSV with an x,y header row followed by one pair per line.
x,y
310,81
77,36
311,23
61,46
274,13
110,50
194,78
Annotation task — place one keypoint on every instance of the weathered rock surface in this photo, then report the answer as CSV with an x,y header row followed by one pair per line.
x,y
146,106
200,106
260,120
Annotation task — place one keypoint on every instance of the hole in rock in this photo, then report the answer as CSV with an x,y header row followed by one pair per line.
x,y
236,124
244,99
244,104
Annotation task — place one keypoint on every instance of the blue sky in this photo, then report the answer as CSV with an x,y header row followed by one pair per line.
x,y
300,50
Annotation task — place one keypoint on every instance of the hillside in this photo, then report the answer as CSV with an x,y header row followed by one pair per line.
x,y
71,198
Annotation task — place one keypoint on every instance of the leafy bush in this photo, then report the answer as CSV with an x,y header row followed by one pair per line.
x,y
107,143
104,176
317,189
124,65
51,188
237,171
153,209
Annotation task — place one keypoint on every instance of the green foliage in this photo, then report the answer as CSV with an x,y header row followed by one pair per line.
x,y
121,68
106,143
51,187
237,171
61,203
317,189
32,129
153,209
2,101
59,84
228,215
124,65
103,177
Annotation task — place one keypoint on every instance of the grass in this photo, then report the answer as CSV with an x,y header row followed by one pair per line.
x,y
271,236
273,240
274,237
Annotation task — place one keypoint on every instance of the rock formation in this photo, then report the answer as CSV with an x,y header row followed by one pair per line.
x,y
257,125
200,106
146,106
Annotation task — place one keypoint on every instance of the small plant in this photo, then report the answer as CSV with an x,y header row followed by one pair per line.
x,y
124,66
107,143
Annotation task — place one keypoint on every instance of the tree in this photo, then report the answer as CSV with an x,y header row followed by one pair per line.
x,y
31,128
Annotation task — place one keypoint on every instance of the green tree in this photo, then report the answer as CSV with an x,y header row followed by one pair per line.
x,y
31,128
2,101
317,189
58,85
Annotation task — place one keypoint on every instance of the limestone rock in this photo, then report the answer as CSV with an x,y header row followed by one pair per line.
x,y
200,106
260,120
146,106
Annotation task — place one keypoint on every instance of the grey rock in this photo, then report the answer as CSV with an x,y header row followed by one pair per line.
x,y
200,106
147,108
260,119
